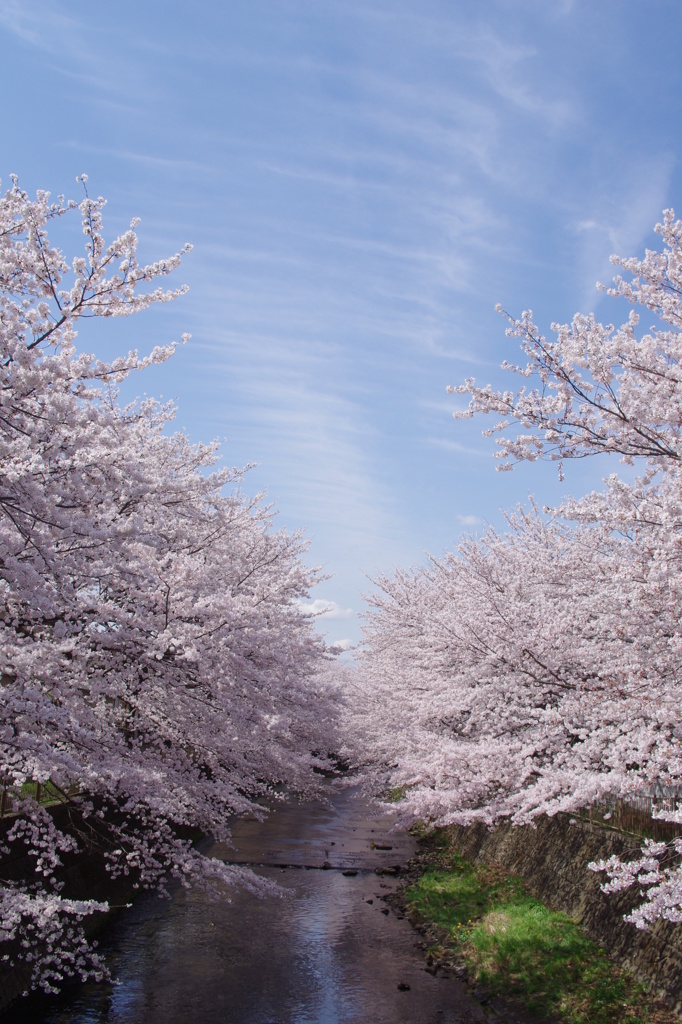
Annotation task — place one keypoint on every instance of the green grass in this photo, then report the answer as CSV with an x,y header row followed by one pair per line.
x,y
48,792
518,948
395,795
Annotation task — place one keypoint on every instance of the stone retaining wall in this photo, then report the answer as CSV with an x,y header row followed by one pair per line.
x,y
552,858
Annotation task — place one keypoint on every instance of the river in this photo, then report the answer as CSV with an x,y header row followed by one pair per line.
x,y
329,950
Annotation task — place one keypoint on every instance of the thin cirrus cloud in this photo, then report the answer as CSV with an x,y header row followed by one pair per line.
x,y
45,26
79,50
155,160
620,222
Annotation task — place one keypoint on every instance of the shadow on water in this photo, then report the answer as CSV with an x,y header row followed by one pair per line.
x,y
327,951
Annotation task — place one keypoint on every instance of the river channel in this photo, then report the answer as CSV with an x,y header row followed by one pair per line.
x,y
329,950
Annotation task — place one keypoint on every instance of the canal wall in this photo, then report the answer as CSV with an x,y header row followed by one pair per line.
x,y
552,857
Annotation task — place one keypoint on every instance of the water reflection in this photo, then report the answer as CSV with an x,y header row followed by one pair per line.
x,y
327,951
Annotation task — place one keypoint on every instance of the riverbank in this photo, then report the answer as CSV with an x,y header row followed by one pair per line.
x,y
484,925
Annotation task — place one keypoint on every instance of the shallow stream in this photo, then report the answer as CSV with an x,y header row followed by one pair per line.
x,y
327,951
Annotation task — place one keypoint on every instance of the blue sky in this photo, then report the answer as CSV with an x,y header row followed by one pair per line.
x,y
362,182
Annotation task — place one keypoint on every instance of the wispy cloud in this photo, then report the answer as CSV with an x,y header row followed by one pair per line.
x,y
43,25
457,446
620,221
80,50
315,445
324,609
469,520
343,181
506,71
168,163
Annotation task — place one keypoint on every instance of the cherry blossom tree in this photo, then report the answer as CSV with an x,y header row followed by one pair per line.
x,y
155,655
513,656
540,668
599,388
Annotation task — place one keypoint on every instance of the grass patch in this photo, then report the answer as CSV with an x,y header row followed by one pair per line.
x,y
518,948
48,792
45,793
395,795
